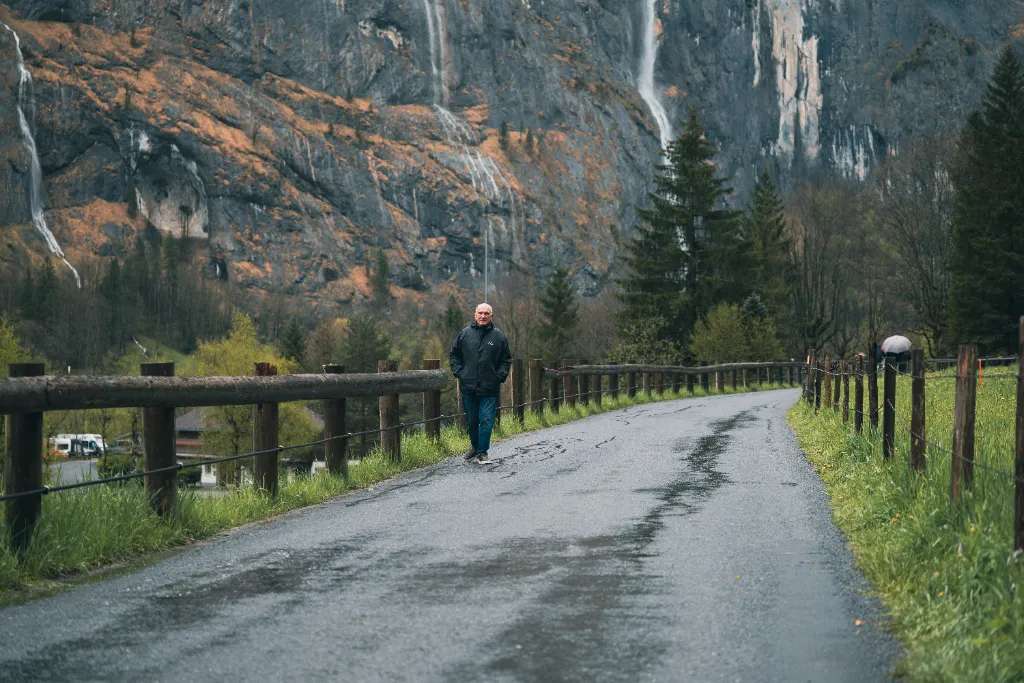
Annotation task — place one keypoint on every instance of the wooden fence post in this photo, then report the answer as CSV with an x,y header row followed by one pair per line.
x,y
873,386
689,383
390,432
918,432
735,376
265,433
631,383
837,386
719,381
889,408
158,446
568,386
335,450
809,380
536,386
432,404
858,403
963,422
460,411
519,390
598,390
827,382
705,382
677,383
613,386
819,378
24,466
554,384
584,380
846,392
1018,514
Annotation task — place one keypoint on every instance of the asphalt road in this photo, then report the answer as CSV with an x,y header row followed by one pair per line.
x,y
684,540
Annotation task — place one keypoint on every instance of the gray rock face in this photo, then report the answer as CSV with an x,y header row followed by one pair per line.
x,y
298,138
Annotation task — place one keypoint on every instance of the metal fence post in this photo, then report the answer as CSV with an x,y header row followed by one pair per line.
x,y
858,402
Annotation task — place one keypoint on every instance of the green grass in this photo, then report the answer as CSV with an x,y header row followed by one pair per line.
x,y
100,526
947,574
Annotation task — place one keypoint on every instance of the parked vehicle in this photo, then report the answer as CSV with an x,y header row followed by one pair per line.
x,y
77,445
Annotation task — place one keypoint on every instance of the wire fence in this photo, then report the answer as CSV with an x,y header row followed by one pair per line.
x,y
828,382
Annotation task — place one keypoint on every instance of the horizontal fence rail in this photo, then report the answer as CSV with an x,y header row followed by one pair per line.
x,y
577,370
37,394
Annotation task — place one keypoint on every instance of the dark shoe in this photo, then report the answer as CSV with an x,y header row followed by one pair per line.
x,y
481,459
470,455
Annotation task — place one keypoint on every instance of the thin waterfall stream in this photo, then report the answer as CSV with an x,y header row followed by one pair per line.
x,y
484,174
645,79
36,172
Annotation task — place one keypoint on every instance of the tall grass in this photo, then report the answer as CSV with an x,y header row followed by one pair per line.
x,y
98,526
947,573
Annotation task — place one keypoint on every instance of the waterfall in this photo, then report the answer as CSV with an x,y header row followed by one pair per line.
x,y
645,80
36,175
484,174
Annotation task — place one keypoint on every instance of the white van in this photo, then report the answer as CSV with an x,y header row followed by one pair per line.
x,y
78,445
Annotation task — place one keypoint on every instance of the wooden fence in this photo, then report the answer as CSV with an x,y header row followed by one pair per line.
x,y
827,386
28,394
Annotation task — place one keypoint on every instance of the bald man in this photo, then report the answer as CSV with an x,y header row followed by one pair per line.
x,y
481,359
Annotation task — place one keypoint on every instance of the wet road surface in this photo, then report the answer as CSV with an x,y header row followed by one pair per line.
x,y
685,540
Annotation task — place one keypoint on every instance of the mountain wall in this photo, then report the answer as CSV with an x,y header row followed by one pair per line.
x,y
297,139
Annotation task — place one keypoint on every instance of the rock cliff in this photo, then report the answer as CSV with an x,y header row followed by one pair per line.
x,y
468,140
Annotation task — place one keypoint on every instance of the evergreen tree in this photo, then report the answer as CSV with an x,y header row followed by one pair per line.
x,y
293,341
766,231
559,314
27,296
379,279
688,251
46,294
503,135
987,264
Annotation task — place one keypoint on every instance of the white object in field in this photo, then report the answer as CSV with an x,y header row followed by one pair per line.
x,y
896,344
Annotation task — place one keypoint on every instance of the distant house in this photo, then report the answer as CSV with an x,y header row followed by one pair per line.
x,y
188,432
189,428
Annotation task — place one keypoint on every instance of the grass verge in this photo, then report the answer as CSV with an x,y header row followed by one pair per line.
x,y
103,526
946,574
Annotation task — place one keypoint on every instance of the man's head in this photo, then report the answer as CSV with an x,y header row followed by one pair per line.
x,y
483,314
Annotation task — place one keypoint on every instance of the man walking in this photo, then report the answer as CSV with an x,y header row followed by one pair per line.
x,y
481,359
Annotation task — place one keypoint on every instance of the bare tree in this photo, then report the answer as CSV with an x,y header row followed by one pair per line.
x,y
915,197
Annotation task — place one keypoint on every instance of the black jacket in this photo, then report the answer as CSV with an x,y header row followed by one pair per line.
x,y
480,358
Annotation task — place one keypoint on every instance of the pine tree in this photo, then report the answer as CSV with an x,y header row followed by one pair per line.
x,y
766,231
293,341
987,264
687,252
560,314
503,135
380,277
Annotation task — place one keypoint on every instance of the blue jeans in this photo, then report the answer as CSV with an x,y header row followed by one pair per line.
x,y
479,419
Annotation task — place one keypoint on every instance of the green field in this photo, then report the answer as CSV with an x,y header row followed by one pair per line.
x,y
948,575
